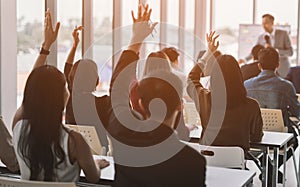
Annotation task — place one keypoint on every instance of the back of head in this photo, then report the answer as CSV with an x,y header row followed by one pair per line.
x,y
255,50
167,87
85,74
156,61
235,90
43,103
268,58
171,52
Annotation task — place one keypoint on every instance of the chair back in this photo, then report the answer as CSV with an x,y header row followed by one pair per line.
x,y
221,156
91,136
11,182
272,120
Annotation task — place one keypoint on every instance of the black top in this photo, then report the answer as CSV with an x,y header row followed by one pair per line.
x,y
294,77
183,167
250,70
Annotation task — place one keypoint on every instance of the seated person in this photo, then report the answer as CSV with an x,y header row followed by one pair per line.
x,y
250,70
272,91
46,150
148,152
228,116
294,76
7,153
83,108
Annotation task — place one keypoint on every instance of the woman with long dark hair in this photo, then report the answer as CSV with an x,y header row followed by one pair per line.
x,y
46,150
228,116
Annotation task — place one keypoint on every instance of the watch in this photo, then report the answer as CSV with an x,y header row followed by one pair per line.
x,y
44,51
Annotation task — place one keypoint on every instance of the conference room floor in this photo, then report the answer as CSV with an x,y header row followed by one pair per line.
x,y
290,172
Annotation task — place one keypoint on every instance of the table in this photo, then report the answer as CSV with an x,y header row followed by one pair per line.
x,y
274,140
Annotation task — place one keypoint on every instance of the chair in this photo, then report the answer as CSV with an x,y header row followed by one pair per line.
x,y
191,115
10,182
273,121
90,134
221,156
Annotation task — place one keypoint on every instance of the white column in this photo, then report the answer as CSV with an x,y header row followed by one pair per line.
x,y
8,60
87,22
181,32
52,58
200,25
163,20
117,34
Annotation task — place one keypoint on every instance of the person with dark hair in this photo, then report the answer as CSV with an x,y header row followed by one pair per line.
x,y
83,108
228,116
147,151
7,153
278,39
294,77
46,150
251,70
272,91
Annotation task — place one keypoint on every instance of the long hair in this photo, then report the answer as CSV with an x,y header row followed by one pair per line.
x,y
44,101
235,89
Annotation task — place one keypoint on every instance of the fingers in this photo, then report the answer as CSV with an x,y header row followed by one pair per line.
x,y
50,19
153,26
133,17
56,29
145,15
214,39
140,12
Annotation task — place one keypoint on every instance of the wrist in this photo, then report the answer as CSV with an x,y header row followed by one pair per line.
x,y
44,51
46,46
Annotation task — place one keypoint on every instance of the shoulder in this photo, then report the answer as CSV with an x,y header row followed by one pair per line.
x,y
252,103
195,156
248,83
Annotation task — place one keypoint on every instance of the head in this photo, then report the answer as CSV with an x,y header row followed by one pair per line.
x,y
44,100
156,61
268,22
167,87
172,54
268,59
255,50
85,73
235,90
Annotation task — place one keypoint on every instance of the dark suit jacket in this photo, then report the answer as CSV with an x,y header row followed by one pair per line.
x,y
250,70
294,77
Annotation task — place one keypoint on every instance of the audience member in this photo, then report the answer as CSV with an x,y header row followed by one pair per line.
x,y
46,150
242,120
165,172
251,69
294,77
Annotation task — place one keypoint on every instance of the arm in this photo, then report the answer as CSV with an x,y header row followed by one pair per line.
x,y
287,50
50,36
256,128
292,101
18,116
91,168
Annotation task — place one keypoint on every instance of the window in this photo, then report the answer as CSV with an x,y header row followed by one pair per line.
x,y
283,16
69,18
102,45
30,37
172,23
189,36
227,15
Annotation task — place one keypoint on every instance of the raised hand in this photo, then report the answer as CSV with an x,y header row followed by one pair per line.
x,y
212,45
142,28
50,35
75,35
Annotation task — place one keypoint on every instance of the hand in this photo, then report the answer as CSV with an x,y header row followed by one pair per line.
x,y
102,163
211,39
268,45
141,28
75,35
241,61
50,35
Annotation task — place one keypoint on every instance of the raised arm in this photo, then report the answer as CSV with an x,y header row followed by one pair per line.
x,y
50,36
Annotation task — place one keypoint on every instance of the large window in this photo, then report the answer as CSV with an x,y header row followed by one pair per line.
x,y
30,35
69,19
283,16
189,36
103,37
227,15
172,34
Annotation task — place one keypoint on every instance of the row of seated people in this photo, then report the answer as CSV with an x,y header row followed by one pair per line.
x,y
47,150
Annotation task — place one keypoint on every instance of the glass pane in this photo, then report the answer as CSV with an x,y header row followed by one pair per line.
x,y
69,18
189,35
173,22
30,35
227,19
283,16
102,45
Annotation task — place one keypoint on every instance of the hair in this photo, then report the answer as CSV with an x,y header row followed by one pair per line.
x,y
86,73
268,58
255,50
235,89
167,87
156,61
44,102
269,16
171,52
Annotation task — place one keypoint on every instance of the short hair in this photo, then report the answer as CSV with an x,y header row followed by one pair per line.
x,y
268,58
255,50
167,87
269,16
171,52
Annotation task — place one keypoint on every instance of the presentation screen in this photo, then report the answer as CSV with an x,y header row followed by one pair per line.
x,y
248,35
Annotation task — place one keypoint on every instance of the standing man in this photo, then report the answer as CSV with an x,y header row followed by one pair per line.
x,y
278,39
